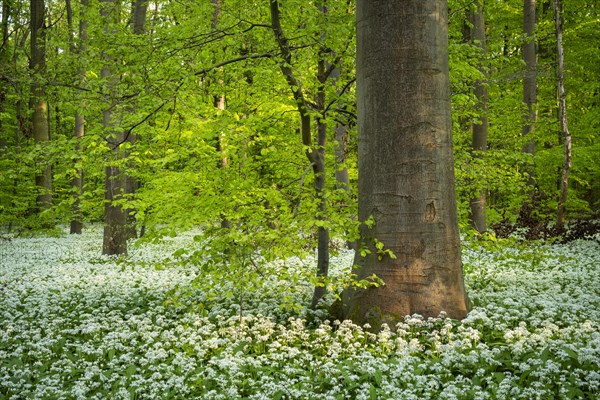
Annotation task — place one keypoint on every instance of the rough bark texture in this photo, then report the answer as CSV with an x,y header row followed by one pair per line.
x,y
39,116
477,215
406,176
562,111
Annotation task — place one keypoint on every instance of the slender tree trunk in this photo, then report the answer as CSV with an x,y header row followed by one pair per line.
x,y
314,155
319,185
340,136
562,109
139,14
341,139
79,130
115,182
341,157
4,68
219,103
477,215
529,93
405,164
39,116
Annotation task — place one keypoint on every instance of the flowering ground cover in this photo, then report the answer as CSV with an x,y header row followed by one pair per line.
x,y
74,325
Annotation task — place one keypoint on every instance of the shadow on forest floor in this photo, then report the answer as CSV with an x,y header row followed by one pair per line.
x,y
533,228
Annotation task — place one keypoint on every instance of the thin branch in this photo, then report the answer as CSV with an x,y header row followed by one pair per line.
x,y
286,69
233,60
350,113
302,186
346,87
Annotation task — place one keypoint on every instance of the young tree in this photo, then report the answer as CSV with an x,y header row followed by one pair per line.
x,y
406,174
477,203
529,87
115,182
76,50
562,112
314,153
4,66
118,222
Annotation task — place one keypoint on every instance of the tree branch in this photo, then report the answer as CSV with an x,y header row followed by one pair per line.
x,y
233,60
286,68
346,86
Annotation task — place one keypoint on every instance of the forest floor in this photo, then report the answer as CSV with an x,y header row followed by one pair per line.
x,y
75,325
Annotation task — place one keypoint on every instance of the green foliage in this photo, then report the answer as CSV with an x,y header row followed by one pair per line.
x,y
164,83
76,324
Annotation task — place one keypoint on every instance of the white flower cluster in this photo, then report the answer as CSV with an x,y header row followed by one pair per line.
x,y
74,325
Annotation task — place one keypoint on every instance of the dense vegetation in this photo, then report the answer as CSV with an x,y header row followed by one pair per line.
x,y
194,132
161,86
79,326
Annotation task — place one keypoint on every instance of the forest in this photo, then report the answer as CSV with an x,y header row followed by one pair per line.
x,y
299,199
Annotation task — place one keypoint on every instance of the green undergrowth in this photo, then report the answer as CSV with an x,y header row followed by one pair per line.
x,y
74,325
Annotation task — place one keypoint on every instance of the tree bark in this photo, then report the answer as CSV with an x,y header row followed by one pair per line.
x,y
115,182
562,110
219,103
4,68
79,129
315,155
39,116
139,14
477,203
405,163
529,90
319,186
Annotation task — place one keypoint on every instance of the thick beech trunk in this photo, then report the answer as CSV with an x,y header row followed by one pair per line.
x,y
405,163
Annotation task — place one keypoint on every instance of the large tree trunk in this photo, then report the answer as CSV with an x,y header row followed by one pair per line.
x,y
405,161
562,110
479,128
529,94
39,116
